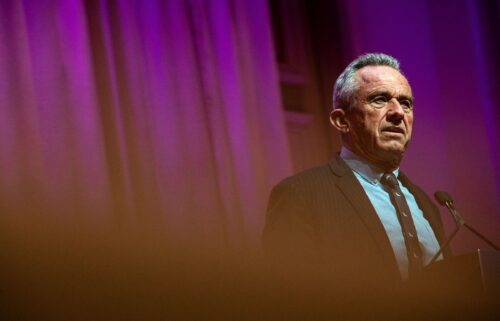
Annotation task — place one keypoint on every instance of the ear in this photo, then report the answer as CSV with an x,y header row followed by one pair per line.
x,y
338,120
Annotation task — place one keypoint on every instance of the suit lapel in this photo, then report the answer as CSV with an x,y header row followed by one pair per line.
x,y
354,193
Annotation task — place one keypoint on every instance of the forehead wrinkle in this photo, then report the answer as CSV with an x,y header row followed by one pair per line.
x,y
385,91
394,83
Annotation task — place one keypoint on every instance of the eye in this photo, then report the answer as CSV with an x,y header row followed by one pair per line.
x,y
406,104
379,101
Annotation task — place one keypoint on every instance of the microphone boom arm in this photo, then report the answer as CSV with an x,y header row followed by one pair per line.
x,y
482,237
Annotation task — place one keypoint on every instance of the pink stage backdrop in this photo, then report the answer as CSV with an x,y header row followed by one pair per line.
x,y
155,113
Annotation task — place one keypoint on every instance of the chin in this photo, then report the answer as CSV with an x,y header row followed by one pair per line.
x,y
399,151
394,148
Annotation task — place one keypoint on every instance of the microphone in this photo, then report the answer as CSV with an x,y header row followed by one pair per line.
x,y
445,199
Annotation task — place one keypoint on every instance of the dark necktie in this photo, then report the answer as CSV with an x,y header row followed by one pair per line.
x,y
409,232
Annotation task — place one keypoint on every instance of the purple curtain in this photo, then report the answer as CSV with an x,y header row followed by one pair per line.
x,y
155,113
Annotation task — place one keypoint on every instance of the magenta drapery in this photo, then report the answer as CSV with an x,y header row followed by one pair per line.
x,y
163,113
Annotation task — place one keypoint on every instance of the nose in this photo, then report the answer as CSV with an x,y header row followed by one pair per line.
x,y
396,112
395,106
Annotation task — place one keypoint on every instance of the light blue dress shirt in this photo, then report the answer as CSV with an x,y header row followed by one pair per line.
x,y
369,177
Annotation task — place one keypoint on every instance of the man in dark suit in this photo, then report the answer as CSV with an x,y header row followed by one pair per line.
x,y
351,217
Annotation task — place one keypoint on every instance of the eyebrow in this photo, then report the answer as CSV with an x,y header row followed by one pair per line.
x,y
387,94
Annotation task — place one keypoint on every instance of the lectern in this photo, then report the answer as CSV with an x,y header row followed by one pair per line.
x,y
473,274
465,286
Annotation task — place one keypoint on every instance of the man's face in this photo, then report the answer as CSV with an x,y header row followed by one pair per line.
x,y
381,116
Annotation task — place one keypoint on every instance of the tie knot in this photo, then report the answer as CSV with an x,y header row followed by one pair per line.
x,y
389,180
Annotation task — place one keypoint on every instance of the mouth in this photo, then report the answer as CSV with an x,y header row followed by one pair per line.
x,y
394,130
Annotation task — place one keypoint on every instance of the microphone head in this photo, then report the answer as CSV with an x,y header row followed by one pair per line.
x,y
443,197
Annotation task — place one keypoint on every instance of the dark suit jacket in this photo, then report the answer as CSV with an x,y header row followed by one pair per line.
x,y
323,218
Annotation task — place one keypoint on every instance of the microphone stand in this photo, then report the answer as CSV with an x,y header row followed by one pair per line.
x,y
458,222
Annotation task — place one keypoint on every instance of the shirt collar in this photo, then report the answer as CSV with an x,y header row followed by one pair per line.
x,y
367,171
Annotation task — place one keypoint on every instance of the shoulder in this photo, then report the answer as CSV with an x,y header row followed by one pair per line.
x,y
309,175
315,177
305,184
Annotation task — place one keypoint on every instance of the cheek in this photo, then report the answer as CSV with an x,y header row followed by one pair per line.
x,y
370,132
366,125
374,123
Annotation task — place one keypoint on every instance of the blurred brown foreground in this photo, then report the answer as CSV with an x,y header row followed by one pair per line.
x,y
75,272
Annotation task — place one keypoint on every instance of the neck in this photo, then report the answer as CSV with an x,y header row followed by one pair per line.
x,y
387,164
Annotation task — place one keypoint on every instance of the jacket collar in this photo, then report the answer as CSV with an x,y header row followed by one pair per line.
x,y
352,190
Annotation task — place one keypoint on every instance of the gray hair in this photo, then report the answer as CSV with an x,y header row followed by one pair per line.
x,y
345,86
